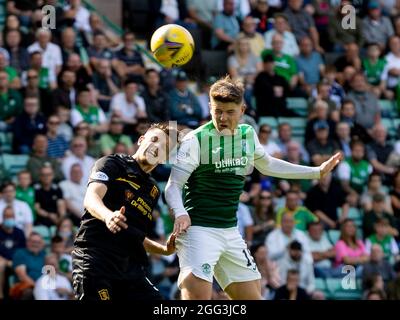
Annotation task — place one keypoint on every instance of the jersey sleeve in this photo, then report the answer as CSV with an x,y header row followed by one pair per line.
x,y
188,159
104,171
274,167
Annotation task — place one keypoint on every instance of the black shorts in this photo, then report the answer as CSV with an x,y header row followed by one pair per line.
x,y
92,288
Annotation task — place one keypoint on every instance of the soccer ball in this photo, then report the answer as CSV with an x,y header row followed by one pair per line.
x,y
172,45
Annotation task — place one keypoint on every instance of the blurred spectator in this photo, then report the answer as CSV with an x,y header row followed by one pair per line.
x,y
336,91
270,147
100,50
156,100
349,249
285,65
58,247
78,155
290,46
301,23
262,15
172,11
25,191
27,125
39,158
52,57
75,10
270,91
368,112
375,294
28,264
322,147
319,113
263,216
325,198
84,131
50,205
343,138
294,259
383,237
378,212
87,109
60,288
19,56
245,222
67,45
23,9
128,105
351,58
109,140
73,190
340,36
242,8
270,280
64,129
300,214
321,249
82,71
353,172
65,94
376,28
373,67
11,238
374,186
184,106
204,96
243,64
393,288
395,198
106,83
12,23
377,265
391,73
291,290
203,13
96,25
226,27
10,102
66,230
130,61
379,150
309,65
47,77
256,40
57,145
278,240
285,136
323,93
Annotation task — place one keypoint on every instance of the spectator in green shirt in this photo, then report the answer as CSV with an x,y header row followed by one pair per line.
x,y
301,215
14,81
285,65
109,140
25,191
10,102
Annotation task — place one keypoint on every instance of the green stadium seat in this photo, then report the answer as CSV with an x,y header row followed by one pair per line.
x,y
298,125
354,214
390,127
14,163
5,142
271,121
338,292
299,105
320,285
44,232
388,109
333,236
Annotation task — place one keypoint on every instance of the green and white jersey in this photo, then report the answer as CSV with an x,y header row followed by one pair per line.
x,y
210,171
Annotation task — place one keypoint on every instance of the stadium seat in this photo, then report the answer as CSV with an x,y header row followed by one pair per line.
x,y
333,236
354,214
390,127
298,125
338,292
5,142
388,109
298,105
44,232
271,121
14,163
320,285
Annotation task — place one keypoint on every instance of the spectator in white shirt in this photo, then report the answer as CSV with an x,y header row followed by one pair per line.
x,y
78,155
79,13
53,285
128,105
22,211
278,240
74,191
270,147
391,72
51,53
245,222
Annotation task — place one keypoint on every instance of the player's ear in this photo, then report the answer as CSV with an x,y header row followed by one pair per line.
x,y
141,138
243,108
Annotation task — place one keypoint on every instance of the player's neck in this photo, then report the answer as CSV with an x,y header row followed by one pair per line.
x,y
144,165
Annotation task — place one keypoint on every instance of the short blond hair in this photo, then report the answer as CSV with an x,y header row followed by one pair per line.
x,y
227,90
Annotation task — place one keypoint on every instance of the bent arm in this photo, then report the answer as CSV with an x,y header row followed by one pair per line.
x,y
93,201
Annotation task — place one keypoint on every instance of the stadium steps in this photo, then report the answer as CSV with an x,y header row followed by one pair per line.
x,y
271,121
13,163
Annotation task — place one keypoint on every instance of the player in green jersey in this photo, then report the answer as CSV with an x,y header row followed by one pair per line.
x,y
212,162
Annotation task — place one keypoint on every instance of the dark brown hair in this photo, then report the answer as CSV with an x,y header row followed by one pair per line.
x,y
227,90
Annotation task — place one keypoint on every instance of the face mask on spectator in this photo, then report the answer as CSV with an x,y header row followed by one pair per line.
x,y
65,234
9,223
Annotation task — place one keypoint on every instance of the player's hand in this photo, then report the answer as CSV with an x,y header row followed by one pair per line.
x,y
181,224
170,247
330,164
116,221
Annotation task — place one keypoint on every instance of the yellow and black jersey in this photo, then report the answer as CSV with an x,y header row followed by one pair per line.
x,y
101,251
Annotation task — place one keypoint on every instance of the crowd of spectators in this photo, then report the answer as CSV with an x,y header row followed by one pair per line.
x,y
78,92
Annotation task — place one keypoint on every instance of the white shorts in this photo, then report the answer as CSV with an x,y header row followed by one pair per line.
x,y
215,252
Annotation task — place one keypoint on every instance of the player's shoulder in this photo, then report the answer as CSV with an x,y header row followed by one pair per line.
x,y
246,128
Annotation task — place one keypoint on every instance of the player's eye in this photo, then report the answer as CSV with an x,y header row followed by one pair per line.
x,y
154,139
